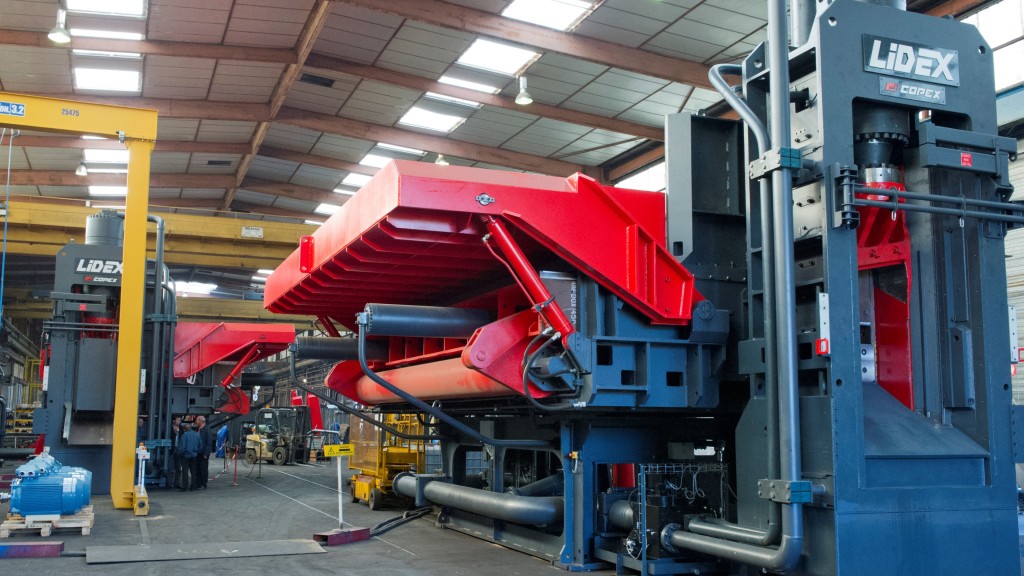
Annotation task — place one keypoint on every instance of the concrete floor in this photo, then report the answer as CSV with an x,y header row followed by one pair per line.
x,y
289,502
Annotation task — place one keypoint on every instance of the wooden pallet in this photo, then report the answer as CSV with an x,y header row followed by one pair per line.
x,y
82,521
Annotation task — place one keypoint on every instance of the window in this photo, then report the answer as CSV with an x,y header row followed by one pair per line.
x,y
558,14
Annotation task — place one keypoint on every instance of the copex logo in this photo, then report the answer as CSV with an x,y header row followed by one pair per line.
x,y
910,60
94,266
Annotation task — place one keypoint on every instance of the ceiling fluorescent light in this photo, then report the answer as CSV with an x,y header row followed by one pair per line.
x,y
101,79
106,53
356,180
59,33
440,161
467,84
102,156
422,118
375,160
327,209
496,57
89,33
313,222
401,149
118,7
558,14
454,100
81,170
345,191
108,190
88,137
108,170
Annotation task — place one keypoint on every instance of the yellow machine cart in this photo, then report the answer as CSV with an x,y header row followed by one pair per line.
x,y
380,456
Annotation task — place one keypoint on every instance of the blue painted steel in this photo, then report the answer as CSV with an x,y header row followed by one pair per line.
x,y
44,487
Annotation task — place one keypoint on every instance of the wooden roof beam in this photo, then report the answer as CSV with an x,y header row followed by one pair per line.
x,y
426,85
154,47
295,191
315,160
420,141
590,49
955,7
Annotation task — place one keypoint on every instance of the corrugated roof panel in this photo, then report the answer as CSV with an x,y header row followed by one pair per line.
x,y
297,205
28,15
342,147
610,33
315,98
245,81
263,23
26,190
735,21
203,193
182,129
626,20
164,193
53,158
19,161
272,168
64,191
356,33
705,32
663,10
753,9
317,177
169,162
35,70
200,163
682,47
639,116
250,197
492,6
611,106
225,131
174,77
478,135
193,22
291,137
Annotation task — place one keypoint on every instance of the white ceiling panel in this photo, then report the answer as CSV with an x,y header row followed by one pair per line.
x,y
188,20
64,191
24,190
317,177
53,158
164,193
342,147
356,33
18,157
169,162
272,168
203,193
176,129
299,205
172,77
291,137
225,131
35,70
267,23
249,197
28,14
200,163
423,49
379,103
236,81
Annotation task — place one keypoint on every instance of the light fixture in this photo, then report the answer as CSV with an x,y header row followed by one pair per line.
x,y
59,33
81,170
441,161
523,98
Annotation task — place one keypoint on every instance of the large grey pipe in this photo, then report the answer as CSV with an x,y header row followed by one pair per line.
x,y
802,15
788,553
532,510
313,348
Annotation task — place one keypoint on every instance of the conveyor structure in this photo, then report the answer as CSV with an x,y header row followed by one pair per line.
x,y
795,361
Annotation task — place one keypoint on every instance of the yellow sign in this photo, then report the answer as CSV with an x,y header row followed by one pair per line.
x,y
334,450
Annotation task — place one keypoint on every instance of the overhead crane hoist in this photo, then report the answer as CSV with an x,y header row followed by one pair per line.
x,y
136,128
805,371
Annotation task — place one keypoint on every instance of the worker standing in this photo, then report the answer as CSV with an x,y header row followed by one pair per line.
x,y
203,456
189,452
177,461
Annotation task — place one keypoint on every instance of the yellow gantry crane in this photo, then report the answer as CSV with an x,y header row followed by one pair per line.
x,y
136,129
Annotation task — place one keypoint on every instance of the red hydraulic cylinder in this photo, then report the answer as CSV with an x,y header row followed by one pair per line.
x,y
440,380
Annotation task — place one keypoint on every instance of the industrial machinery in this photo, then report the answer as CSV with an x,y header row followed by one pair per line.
x,y
280,436
380,456
806,370
45,489
189,368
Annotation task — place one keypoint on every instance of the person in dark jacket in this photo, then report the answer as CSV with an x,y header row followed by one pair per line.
x,y
189,451
177,461
203,456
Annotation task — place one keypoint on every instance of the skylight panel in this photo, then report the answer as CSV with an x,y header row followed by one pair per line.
x,y
345,191
101,79
313,222
454,100
118,7
265,271
496,57
89,33
375,160
557,14
356,180
327,209
422,118
102,156
108,190
401,149
467,84
195,287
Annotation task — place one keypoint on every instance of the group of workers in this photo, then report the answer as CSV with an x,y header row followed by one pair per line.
x,y
191,445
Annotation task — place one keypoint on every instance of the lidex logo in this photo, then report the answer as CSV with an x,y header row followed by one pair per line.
x,y
95,266
911,60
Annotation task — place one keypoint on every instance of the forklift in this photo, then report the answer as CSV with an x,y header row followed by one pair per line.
x,y
279,436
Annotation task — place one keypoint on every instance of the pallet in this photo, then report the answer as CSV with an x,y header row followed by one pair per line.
x,y
17,523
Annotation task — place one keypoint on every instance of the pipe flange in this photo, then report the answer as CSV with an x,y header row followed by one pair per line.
x,y
666,537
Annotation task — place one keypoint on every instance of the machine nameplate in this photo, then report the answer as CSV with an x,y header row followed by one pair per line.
x,y
908,90
909,60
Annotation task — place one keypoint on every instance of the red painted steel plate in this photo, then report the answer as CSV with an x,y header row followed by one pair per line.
x,y
199,345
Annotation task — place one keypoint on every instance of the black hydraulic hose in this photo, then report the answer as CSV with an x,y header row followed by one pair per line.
x,y
392,523
424,407
357,413
555,337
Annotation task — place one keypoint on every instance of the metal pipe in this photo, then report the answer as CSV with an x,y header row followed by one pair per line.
x,y
533,510
736,533
738,103
423,321
424,407
890,193
313,348
802,14
553,485
788,553
942,211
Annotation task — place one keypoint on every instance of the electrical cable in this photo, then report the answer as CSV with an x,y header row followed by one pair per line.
x,y
526,374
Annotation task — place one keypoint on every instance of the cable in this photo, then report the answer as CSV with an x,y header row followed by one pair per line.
x,y
526,374
7,215
392,523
